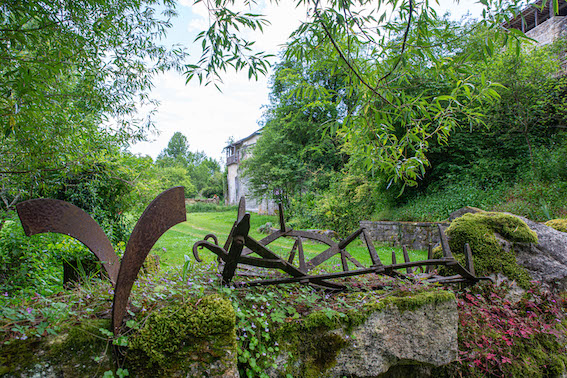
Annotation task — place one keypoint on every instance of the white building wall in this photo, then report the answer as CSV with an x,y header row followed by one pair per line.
x,y
237,185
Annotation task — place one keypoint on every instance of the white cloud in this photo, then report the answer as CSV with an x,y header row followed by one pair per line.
x,y
204,115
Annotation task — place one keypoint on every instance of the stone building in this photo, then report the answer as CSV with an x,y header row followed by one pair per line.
x,y
237,185
543,25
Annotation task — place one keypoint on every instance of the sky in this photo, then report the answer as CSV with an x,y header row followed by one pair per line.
x,y
207,117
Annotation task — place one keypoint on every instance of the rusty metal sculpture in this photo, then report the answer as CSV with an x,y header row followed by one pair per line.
x,y
239,246
49,215
165,211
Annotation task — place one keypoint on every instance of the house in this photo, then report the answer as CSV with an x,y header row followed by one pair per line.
x,y
540,23
237,186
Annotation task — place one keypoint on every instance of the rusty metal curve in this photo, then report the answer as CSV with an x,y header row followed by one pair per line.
x,y
50,215
215,248
164,212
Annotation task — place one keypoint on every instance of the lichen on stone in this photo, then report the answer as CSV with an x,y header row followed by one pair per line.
x,y
479,231
557,224
80,344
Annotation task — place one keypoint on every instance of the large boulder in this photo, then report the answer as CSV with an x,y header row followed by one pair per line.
x,y
544,260
393,337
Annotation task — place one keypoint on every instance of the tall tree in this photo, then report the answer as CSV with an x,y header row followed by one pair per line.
x,y
177,149
378,48
299,144
72,75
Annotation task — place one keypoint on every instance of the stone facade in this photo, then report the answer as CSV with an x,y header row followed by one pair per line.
x,y
549,31
237,186
414,235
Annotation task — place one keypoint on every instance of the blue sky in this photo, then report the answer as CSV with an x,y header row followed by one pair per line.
x,y
207,117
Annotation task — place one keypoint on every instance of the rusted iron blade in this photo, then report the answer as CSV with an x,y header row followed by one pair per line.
x,y
310,278
311,236
459,269
301,256
429,257
349,239
265,241
239,216
344,261
282,218
292,252
241,209
217,250
469,259
323,256
50,215
273,236
353,260
267,254
263,263
406,259
371,250
240,232
444,242
333,250
164,212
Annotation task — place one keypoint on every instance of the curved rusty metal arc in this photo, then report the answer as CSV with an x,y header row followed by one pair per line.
x,y
215,248
50,215
165,211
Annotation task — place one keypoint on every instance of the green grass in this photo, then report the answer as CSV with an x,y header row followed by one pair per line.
x,y
179,240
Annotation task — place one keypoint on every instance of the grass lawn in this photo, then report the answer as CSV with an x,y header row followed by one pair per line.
x,y
179,240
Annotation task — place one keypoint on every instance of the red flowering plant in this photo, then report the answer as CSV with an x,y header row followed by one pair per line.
x,y
501,334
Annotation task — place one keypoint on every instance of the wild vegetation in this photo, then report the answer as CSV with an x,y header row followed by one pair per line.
x,y
512,160
406,118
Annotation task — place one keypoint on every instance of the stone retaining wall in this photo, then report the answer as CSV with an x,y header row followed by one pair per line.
x,y
414,235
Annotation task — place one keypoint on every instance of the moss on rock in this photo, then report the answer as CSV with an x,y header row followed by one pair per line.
x,y
79,346
199,332
479,230
557,224
313,343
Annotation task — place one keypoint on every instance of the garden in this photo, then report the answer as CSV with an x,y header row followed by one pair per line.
x,y
372,116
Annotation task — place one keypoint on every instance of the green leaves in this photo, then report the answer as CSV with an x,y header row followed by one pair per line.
x,y
223,46
73,75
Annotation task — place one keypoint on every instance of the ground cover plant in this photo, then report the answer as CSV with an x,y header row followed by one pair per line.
x,y
498,336
505,337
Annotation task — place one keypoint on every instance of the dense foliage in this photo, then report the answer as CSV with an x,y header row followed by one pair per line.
x,y
512,161
177,165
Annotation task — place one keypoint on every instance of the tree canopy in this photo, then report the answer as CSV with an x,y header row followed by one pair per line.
x,y
73,75
379,48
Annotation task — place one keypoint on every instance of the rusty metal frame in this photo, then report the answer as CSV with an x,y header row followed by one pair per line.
x,y
240,247
165,211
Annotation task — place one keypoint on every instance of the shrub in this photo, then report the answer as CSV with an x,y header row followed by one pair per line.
x,y
499,338
437,203
36,263
203,207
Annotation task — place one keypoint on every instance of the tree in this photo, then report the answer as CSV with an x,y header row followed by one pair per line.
x,y
72,75
392,127
177,150
194,170
298,144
